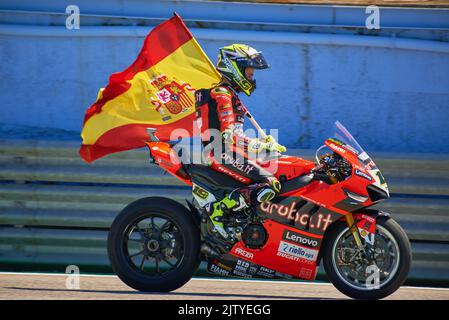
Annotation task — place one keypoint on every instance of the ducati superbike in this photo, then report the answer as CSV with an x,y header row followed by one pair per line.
x,y
321,217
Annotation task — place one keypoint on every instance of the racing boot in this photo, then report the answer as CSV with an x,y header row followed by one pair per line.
x,y
241,198
261,192
232,202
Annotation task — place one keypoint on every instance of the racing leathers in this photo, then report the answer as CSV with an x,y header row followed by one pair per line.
x,y
220,116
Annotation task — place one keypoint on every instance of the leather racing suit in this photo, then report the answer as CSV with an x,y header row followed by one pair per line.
x,y
226,151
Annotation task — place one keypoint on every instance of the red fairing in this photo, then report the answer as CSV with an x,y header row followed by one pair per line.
x,y
166,158
290,167
285,244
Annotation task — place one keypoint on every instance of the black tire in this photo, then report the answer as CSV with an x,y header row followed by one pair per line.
x,y
184,223
386,288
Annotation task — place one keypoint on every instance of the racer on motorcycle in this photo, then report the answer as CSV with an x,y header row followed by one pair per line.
x,y
220,108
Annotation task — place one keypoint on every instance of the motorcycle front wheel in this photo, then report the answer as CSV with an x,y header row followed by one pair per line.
x,y
154,245
373,273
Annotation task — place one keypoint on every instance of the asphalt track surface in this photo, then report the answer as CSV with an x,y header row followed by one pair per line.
x,y
32,286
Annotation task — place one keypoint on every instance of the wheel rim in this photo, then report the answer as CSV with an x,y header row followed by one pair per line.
x,y
153,245
360,271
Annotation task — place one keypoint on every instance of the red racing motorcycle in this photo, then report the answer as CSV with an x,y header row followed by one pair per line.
x,y
321,216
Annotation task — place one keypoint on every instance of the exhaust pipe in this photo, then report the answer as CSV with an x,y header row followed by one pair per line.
x,y
209,252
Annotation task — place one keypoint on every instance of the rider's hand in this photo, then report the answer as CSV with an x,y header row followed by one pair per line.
x,y
256,145
274,146
269,138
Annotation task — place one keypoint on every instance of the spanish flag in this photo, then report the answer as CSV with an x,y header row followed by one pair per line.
x,y
156,91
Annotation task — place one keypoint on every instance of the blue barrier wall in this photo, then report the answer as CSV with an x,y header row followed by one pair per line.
x,y
390,87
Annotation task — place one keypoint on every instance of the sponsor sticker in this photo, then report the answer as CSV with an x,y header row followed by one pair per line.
x,y
265,272
363,175
297,251
233,174
252,270
294,258
289,211
246,168
216,269
244,253
300,239
367,228
241,269
369,237
334,146
242,266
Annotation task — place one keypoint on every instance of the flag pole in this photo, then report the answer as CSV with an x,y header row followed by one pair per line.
x,y
256,125
259,129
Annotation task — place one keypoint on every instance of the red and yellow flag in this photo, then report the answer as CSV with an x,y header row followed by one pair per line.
x,y
156,91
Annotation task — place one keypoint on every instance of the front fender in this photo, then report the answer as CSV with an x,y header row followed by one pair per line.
x,y
366,223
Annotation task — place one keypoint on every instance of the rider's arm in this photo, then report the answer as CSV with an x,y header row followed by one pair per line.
x,y
230,132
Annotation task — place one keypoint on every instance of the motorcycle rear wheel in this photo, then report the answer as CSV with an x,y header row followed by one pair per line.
x,y
154,245
359,277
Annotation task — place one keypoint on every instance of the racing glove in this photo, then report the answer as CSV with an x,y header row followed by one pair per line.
x,y
273,143
256,145
269,138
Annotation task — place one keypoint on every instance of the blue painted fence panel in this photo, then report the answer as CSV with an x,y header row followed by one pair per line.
x,y
391,99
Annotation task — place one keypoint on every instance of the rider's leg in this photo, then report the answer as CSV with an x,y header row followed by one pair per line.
x,y
263,187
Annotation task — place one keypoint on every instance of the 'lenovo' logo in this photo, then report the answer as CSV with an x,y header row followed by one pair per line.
x,y
300,239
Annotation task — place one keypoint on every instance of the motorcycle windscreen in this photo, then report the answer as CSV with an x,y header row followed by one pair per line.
x,y
342,135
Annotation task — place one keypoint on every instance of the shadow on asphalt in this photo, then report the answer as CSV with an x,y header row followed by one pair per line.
x,y
168,295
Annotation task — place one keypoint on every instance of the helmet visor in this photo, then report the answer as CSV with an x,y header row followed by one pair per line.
x,y
256,61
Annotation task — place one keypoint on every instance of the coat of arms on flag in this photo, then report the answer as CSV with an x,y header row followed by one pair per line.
x,y
172,95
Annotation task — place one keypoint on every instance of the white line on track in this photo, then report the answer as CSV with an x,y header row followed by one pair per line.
x,y
263,281
208,279
56,274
